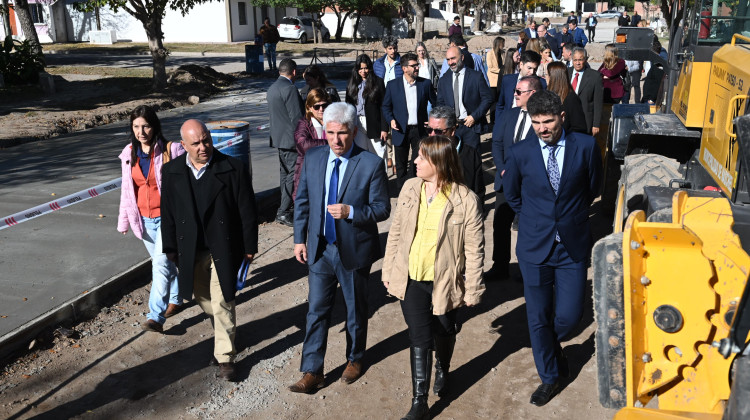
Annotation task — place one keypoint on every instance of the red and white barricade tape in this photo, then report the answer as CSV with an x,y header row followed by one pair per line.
x,y
81,196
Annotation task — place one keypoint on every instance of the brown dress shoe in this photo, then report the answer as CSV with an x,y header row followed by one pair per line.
x,y
153,326
352,372
227,371
172,310
309,383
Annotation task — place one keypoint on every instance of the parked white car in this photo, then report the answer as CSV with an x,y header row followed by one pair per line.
x,y
609,14
300,28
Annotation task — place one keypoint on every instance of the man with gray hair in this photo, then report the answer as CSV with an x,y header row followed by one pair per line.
x,y
588,85
341,197
388,67
443,122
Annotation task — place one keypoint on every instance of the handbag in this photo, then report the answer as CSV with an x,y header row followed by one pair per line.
x,y
626,83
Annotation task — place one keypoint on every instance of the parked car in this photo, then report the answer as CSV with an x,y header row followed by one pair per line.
x,y
609,14
300,28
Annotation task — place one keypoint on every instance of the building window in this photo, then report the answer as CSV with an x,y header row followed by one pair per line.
x,y
442,6
37,12
242,12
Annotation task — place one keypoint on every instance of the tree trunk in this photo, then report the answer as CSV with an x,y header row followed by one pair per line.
x,y
462,6
418,7
158,52
27,25
356,27
340,24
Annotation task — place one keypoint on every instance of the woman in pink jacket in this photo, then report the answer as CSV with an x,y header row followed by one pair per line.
x,y
140,208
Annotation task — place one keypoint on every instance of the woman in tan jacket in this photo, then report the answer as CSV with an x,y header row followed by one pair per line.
x,y
495,71
433,262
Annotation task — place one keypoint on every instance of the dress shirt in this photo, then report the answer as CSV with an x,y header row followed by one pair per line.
x,y
559,152
580,77
526,125
198,173
318,129
410,91
390,70
461,108
361,98
424,69
342,170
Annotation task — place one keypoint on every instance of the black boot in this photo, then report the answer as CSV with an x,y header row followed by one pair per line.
x,y
421,368
444,345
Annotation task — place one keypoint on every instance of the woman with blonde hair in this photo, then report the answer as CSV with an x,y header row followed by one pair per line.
x,y
310,131
535,45
559,82
612,72
433,262
495,70
547,57
428,69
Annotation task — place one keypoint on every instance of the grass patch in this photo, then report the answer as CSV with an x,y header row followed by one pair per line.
x,y
101,71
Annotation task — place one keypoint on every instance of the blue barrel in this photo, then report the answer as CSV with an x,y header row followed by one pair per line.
x,y
254,58
238,132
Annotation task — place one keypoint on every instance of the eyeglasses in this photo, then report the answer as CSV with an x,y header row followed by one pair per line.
x,y
317,107
436,131
521,92
413,65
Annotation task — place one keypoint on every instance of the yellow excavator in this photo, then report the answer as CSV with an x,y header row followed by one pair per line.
x,y
670,296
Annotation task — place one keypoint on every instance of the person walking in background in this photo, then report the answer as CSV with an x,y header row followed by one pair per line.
x,y
587,84
310,132
271,37
567,55
366,91
636,19
140,208
209,227
495,69
342,196
613,69
388,67
510,66
634,72
591,23
285,108
455,27
316,78
529,64
554,44
579,37
554,236
466,91
430,273
547,58
530,30
427,65
470,59
558,82
623,20
571,18
405,108
523,39
566,38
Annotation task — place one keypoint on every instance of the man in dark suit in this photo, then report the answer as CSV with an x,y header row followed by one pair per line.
x,y
579,36
342,195
208,227
587,84
405,109
551,180
468,94
529,63
636,19
530,30
554,45
515,126
285,108
443,123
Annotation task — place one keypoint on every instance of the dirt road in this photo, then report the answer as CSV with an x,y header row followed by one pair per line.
x,y
109,368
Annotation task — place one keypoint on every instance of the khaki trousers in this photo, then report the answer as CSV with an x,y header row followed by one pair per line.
x,y
208,295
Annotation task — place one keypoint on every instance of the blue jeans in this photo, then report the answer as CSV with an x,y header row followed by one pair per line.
x,y
163,272
271,55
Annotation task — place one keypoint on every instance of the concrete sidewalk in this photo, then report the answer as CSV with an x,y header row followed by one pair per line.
x,y
52,265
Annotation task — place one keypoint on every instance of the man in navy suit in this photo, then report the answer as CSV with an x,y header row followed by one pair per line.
x,y
554,44
512,128
405,109
341,197
529,63
551,180
531,30
465,91
579,36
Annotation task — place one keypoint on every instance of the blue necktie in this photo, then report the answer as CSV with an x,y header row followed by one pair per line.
x,y
333,193
553,171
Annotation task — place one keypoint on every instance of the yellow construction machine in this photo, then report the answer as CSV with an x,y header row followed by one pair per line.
x,y
670,290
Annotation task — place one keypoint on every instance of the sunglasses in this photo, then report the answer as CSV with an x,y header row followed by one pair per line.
x,y
436,131
521,92
318,107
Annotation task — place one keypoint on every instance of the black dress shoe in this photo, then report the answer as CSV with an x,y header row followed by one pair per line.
x,y
285,220
544,393
227,371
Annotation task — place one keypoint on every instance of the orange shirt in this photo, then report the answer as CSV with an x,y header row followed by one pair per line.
x,y
146,192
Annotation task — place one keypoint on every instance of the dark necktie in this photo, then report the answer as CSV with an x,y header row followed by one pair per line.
x,y
521,126
456,97
333,192
553,171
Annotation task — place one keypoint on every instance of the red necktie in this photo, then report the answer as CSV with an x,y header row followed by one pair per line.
x,y
575,81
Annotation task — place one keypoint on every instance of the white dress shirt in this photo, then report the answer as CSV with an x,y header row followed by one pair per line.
x,y
526,124
410,90
198,173
461,107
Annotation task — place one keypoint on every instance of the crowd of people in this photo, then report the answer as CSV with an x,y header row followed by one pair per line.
x,y
194,207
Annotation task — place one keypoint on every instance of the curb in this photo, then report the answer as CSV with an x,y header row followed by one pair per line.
x,y
130,279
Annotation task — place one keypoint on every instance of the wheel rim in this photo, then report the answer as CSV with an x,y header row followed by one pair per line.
x,y
303,39
619,221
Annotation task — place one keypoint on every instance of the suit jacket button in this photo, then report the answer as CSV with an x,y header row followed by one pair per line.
x,y
216,260
221,221
183,221
181,237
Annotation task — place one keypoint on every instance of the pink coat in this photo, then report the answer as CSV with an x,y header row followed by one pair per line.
x,y
129,213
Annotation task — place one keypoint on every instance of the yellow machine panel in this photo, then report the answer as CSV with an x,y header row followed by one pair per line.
x,y
689,101
728,88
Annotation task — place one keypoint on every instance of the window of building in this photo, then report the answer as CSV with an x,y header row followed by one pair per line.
x,y
37,12
242,12
442,6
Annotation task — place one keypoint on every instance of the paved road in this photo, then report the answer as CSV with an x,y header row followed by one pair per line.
x,y
47,261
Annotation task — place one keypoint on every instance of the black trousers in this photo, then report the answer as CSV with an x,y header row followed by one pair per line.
x,y
401,153
468,135
417,310
501,225
287,163
592,32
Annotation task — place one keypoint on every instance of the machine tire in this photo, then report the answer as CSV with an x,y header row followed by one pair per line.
x,y
303,39
647,170
661,216
609,312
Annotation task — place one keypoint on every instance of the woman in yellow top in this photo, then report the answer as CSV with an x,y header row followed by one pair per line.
x,y
433,262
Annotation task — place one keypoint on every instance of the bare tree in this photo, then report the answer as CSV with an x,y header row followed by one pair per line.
x,y
27,25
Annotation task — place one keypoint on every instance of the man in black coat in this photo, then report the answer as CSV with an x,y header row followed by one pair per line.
x,y
208,227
